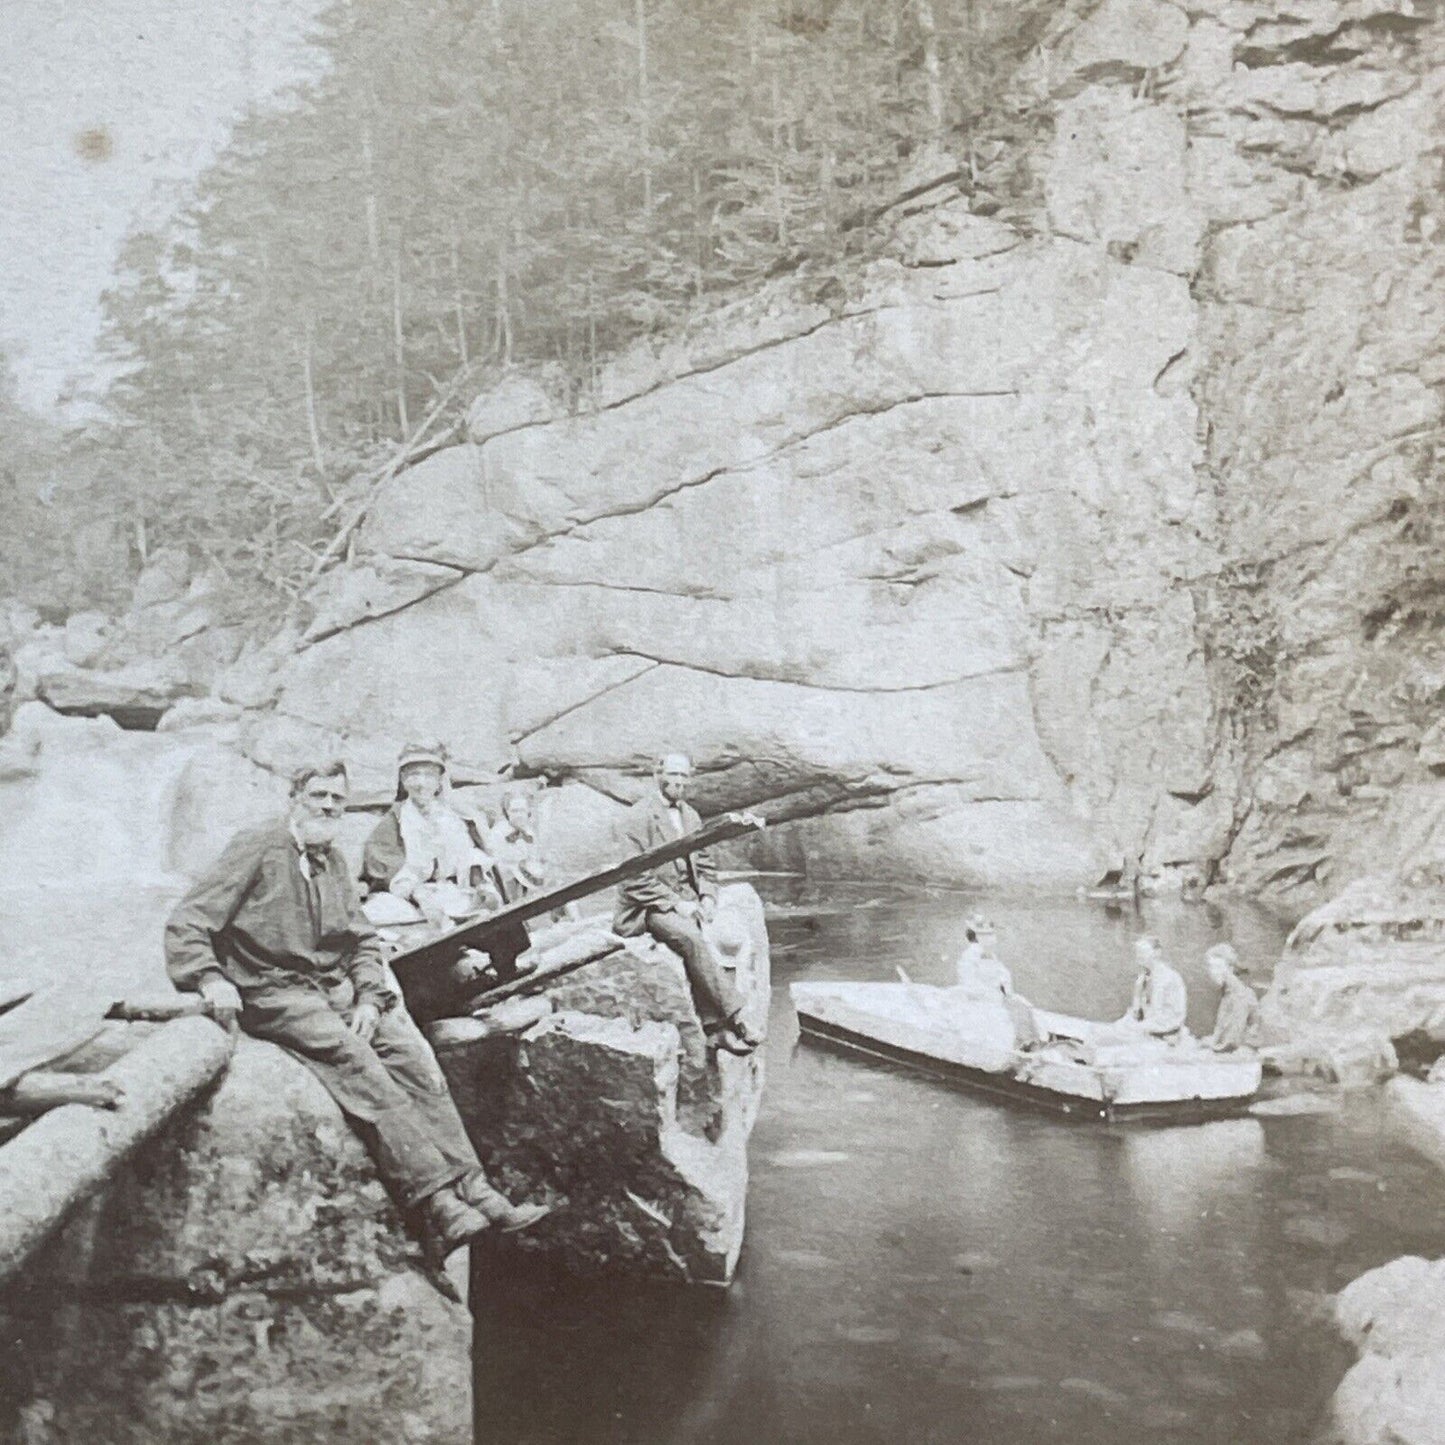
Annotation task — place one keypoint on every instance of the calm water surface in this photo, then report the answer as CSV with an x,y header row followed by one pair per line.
x,y
925,1266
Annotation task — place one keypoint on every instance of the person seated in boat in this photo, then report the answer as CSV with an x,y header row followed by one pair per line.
x,y
676,901
980,976
977,971
1236,1023
514,849
1160,999
423,852
273,938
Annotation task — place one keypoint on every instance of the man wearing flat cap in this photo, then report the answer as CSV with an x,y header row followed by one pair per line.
x,y
273,936
673,902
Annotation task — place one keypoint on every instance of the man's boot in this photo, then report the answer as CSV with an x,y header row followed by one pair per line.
x,y
732,1036
450,1222
499,1212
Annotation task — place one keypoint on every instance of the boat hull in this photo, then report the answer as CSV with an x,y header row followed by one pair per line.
x,y
1191,1088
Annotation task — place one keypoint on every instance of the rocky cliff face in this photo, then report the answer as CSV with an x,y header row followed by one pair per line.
x,y
1320,294
1102,534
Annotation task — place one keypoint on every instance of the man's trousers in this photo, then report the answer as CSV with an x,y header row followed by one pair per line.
x,y
390,1088
714,995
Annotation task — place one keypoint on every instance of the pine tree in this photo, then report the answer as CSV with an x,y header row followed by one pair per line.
x,y
487,183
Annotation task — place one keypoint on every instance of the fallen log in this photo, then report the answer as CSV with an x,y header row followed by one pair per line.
x,y
68,1153
41,1090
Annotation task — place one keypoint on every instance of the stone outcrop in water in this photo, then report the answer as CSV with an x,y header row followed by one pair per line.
x,y
611,1106
1395,1317
245,1278
1418,1107
1367,968
1395,1394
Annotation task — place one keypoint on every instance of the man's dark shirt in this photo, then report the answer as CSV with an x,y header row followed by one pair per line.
x,y
259,920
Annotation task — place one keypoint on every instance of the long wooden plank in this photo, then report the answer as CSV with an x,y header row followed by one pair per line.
x,y
446,947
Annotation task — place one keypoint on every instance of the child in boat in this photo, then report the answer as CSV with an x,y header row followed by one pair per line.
x,y
1236,1024
981,977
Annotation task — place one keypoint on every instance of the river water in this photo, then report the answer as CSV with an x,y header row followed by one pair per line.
x,y
926,1266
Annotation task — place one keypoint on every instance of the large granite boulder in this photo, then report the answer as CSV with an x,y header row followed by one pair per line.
x,y
136,695
1372,959
611,1108
936,463
1395,1393
245,1278
172,642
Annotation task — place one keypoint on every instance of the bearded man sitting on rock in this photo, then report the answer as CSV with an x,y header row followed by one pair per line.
x,y
273,936
674,903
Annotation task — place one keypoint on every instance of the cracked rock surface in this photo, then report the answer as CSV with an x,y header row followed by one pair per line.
x,y
612,1108
1106,532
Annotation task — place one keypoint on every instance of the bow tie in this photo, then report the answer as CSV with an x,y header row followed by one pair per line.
x,y
316,857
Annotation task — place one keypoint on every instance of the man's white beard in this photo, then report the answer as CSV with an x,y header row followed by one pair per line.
x,y
316,833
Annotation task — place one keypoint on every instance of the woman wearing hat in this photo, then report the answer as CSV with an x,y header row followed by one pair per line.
x,y
984,981
423,851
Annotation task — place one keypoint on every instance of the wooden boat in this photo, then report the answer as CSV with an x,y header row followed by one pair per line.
x,y
1081,1072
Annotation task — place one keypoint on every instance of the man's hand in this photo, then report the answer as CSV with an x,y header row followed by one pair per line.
x,y
223,1001
686,907
364,1019
707,908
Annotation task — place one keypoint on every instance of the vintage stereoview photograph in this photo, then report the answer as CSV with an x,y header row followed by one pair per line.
x,y
722,722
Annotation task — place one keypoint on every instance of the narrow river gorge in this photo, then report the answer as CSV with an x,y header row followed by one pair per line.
x,y
925,1265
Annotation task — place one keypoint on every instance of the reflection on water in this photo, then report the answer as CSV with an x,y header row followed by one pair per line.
x,y
926,1266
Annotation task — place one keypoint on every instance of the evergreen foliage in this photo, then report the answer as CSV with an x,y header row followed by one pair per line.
x,y
478,184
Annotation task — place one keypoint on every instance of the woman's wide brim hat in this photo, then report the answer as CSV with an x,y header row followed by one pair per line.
x,y
433,754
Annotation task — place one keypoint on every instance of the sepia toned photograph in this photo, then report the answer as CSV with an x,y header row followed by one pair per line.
x,y
722,722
